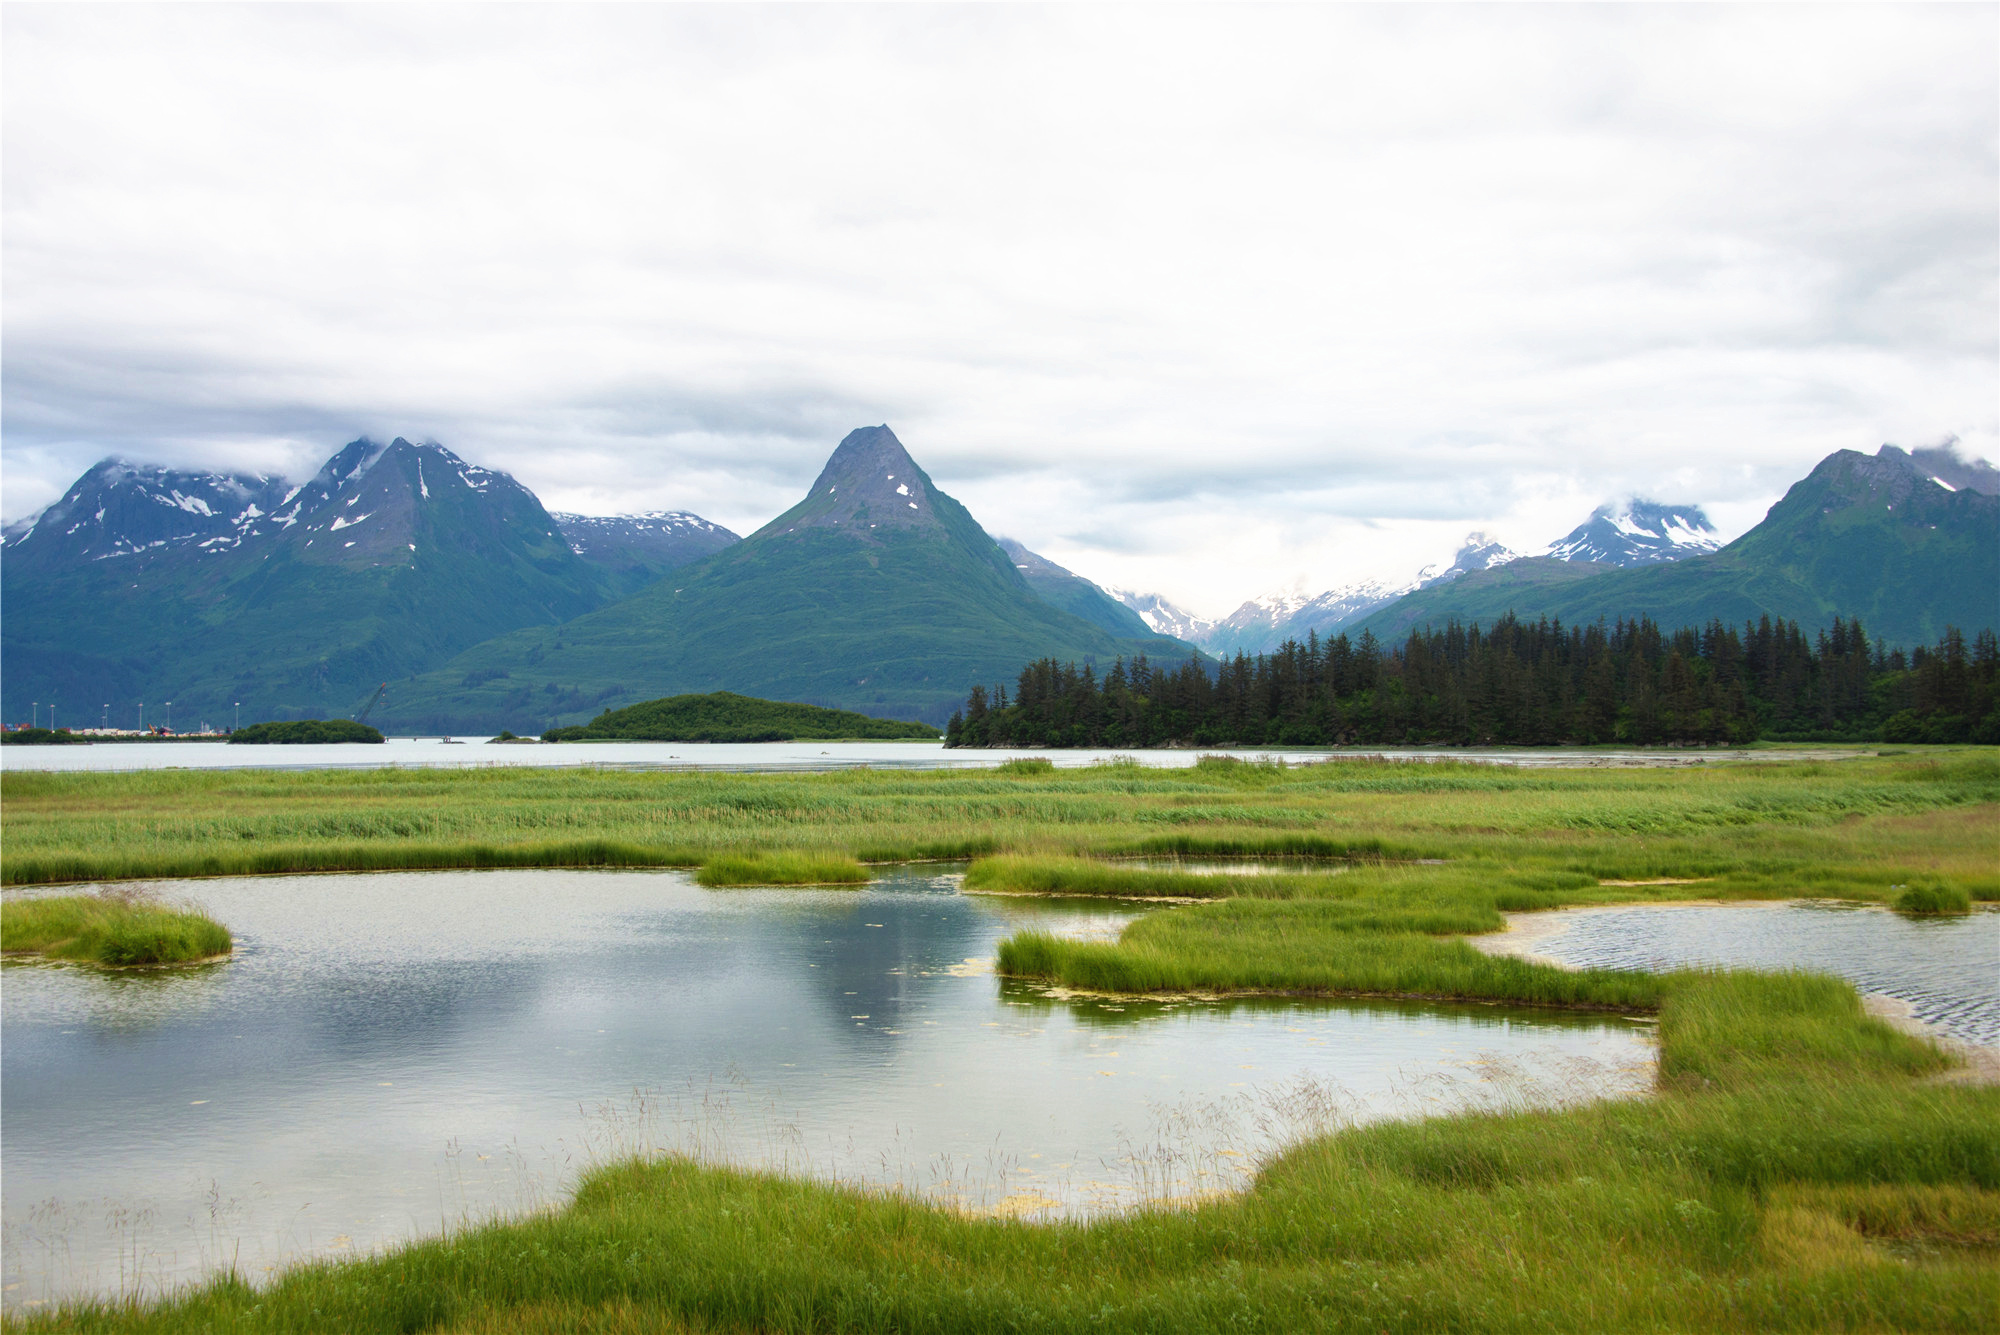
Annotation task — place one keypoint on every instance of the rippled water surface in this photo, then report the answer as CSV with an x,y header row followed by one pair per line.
x,y
390,1054
1947,968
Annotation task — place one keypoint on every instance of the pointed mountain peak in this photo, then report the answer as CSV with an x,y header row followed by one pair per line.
x,y
351,461
870,483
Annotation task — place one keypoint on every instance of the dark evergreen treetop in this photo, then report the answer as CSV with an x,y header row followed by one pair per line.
x,y
1518,683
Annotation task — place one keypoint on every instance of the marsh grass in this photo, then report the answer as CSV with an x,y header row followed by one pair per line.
x,y
120,930
781,869
1930,896
1794,1170
1854,829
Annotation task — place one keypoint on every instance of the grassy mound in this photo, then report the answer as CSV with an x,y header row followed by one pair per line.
x,y
301,732
781,869
726,717
1931,896
118,930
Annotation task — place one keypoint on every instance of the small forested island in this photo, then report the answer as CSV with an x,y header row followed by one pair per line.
x,y
724,716
305,731
1517,683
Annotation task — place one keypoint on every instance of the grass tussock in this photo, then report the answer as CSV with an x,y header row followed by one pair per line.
x,y
1931,896
781,869
118,930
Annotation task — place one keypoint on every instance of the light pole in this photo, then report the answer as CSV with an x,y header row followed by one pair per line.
x,y
239,715
170,716
105,722
142,716
35,713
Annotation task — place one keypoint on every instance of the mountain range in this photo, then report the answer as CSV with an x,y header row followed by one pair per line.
x,y
404,563
1639,532
877,592
1889,538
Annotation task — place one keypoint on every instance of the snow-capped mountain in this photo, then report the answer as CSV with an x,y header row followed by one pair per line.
x,y
639,548
1638,533
1164,617
212,587
1253,626
1479,551
123,509
590,535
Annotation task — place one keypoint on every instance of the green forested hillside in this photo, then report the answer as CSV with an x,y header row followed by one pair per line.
x,y
724,716
1863,537
876,593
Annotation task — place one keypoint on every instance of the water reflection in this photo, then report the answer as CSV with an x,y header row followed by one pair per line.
x,y
390,1053
1235,866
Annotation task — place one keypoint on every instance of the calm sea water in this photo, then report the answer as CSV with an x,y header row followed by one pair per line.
x,y
754,756
390,1054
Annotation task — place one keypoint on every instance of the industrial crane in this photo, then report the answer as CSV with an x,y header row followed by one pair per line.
x,y
374,700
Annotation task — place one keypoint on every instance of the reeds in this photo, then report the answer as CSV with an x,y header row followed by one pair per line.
x,y
118,930
781,869
1930,896
1856,828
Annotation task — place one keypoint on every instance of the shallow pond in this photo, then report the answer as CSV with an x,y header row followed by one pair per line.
x,y
1947,968
390,1054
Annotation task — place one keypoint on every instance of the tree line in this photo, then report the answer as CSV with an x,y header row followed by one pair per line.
x,y
1515,682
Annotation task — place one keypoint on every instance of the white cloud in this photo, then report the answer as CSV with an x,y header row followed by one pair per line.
x,y
1204,300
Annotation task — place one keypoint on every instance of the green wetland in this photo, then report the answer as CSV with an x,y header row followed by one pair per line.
x,y
761,1131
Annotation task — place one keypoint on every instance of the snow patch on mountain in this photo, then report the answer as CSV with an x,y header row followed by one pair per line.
x,y
1164,617
1638,532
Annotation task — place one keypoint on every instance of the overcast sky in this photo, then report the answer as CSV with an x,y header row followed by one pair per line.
x,y
1209,301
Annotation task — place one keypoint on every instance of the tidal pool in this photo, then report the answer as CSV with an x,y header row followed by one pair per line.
x,y
1947,968
390,1055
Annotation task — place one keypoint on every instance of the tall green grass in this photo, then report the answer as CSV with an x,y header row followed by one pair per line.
x,y
122,931
781,869
1860,827
1313,949
1930,896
